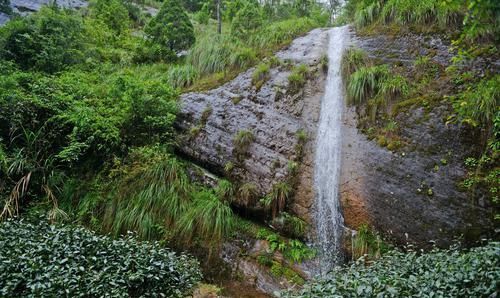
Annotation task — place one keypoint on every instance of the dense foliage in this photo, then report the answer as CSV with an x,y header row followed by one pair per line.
x,y
170,30
41,260
439,273
5,7
50,40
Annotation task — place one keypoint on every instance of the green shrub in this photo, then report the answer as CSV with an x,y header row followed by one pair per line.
x,y
445,273
40,260
171,30
290,225
247,20
113,13
49,40
203,15
478,104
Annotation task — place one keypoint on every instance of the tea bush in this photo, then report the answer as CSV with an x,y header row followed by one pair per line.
x,y
439,273
63,261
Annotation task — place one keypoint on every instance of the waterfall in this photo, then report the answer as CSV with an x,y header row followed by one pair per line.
x,y
328,216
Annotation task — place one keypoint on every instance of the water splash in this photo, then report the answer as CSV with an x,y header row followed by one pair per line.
x,y
328,217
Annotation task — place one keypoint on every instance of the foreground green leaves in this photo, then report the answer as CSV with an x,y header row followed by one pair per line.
x,y
63,261
439,273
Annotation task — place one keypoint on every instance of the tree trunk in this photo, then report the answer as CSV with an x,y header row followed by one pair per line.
x,y
219,18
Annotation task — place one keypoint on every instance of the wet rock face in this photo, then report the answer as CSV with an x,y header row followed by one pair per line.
x,y
271,114
412,194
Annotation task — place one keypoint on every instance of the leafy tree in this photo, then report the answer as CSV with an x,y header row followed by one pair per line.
x,y
232,7
302,7
49,40
5,6
113,13
247,19
203,15
193,5
171,30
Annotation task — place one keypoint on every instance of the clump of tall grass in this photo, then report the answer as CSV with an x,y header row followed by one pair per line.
x,y
367,15
365,83
149,194
247,193
377,86
352,60
298,78
225,190
241,142
154,197
218,52
365,242
279,33
207,218
260,75
406,12
409,12
277,198
180,76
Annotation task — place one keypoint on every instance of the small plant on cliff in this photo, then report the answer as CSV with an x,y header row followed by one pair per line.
x,y
365,83
260,75
242,141
247,193
323,63
228,167
302,137
290,225
297,79
205,115
278,197
352,60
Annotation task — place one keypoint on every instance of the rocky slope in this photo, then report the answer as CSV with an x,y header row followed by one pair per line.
x,y
272,114
411,194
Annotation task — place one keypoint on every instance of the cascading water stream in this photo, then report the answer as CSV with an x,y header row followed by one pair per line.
x,y
329,219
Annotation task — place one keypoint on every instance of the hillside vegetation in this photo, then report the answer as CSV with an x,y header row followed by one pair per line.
x,y
88,102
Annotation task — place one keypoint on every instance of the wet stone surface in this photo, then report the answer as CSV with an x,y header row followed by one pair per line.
x,y
272,115
411,195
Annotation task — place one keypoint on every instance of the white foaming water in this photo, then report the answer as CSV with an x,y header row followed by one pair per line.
x,y
328,217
